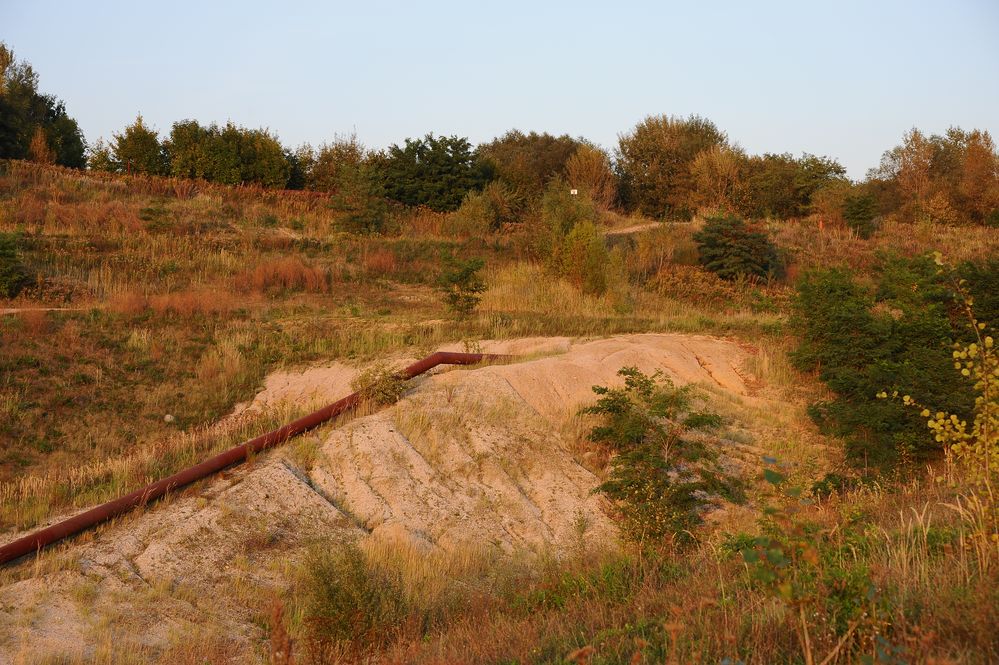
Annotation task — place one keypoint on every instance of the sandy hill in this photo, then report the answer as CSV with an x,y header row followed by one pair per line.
x,y
479,457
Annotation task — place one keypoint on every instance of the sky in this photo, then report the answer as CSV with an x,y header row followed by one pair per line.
x,y
842,78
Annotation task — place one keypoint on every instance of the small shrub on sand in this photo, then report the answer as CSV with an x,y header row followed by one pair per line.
x,y
379,384
659,477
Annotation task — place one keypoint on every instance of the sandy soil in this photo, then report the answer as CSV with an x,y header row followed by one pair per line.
x,y
468,455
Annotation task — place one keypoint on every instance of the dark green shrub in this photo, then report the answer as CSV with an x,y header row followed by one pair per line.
x,y
659,477
460,284
13,275
896,337
731,249
860,211
433,171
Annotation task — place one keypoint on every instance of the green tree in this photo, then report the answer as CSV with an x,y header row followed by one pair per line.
x,y
860,210
435,171
230,155
782,187
334,161
582,258
361,198
525,163
186,149
731,249
654,163
27,115
460,284
138,149
100,157
896,337
660,476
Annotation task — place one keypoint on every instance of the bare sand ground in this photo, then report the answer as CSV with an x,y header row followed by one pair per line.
x,y
480,456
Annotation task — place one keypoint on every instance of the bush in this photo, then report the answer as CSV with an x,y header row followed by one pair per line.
x,y
659,478
486,211
349,601
569,240
379,384
361,198
582,258
13,275
460,284
860,211
434,171
898,337
728,247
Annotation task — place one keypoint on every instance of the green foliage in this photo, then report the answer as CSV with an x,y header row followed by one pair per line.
x,y
487,211
797,563
525,163
13,275
229,155
658,476
24,111
360,196
897,337
379,384
859,212
349,600
975,448
569,240
435,171
561,211
583,259
460,284
99,157
730,248
335,162
654,163
138,150
781,186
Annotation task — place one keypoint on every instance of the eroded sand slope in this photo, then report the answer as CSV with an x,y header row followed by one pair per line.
x,y
468,456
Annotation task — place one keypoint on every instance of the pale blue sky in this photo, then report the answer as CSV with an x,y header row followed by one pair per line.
x,y
843,78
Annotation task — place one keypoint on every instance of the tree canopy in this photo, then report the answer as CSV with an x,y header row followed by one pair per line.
x,y
435,171
34,125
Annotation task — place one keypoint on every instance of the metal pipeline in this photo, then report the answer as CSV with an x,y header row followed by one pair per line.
x,y
140,497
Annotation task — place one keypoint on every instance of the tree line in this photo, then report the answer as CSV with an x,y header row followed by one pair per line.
x,y
665,167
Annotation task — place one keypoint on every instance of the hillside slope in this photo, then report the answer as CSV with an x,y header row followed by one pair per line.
x,y
480,458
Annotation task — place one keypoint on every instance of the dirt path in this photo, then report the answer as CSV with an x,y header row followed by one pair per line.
x,y
481,456
18,310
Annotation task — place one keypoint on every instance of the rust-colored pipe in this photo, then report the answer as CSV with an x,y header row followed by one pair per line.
x,y
36,541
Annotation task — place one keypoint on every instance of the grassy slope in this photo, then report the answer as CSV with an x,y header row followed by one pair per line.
x,y
181,303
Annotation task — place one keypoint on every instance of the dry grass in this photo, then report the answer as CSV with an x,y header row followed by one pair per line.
x,y
193,292
930,603
285,274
